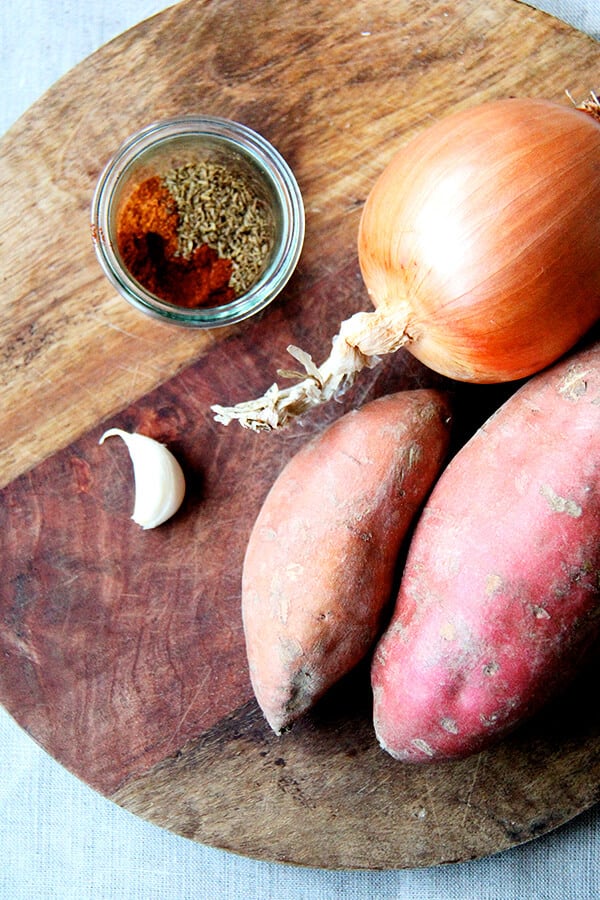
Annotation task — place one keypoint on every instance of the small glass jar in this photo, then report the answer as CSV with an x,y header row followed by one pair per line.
x,y
159,148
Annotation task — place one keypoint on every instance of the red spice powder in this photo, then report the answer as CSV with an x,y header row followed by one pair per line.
x,y
147,241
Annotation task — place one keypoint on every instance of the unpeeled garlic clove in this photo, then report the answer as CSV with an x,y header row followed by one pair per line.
x,y
158,478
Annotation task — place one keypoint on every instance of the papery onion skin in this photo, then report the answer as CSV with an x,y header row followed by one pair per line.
x,y
480,241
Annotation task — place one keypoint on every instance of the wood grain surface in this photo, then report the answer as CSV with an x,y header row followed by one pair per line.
x,y
122,650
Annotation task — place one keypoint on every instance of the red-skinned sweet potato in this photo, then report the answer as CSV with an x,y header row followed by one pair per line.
x,y
320,562
500,594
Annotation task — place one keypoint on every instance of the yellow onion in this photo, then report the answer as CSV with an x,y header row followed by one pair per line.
x,y
479,246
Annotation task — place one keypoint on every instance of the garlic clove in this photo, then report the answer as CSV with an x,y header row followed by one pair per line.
x,y
158,478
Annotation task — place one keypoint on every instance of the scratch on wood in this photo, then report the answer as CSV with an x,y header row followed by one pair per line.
x,y
432,805
41,375
186,713
108,324
471,788
67,616
372,788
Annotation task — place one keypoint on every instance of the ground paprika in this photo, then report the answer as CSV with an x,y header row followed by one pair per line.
x,y
147,239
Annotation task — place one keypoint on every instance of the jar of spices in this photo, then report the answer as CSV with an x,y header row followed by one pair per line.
x,y
198,221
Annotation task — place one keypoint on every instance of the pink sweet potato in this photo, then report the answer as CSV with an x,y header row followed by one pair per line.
x,y
500,596
320,561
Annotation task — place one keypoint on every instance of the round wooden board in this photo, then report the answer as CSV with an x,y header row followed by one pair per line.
x,y
122,650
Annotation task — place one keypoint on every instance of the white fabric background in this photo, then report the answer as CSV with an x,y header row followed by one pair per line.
x,y
58,838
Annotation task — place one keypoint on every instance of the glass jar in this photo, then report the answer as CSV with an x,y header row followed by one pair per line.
x,y
161,147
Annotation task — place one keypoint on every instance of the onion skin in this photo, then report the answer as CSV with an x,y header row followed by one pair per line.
x,y
480,241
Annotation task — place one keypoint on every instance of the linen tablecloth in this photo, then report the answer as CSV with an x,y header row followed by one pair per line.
x,y
58,838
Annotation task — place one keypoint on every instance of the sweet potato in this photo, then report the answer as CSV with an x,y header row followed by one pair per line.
x,y
499,599
321,557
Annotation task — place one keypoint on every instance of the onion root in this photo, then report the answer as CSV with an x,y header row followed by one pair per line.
x,y
590,106
357,346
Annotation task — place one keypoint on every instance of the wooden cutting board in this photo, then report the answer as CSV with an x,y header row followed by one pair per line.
x,y
122,651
